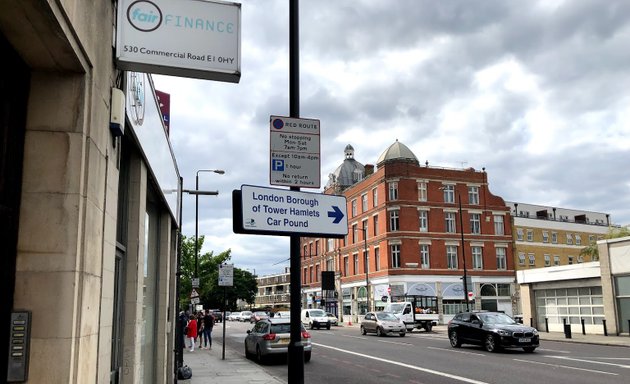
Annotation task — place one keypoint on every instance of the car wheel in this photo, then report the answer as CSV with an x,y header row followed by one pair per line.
x,y
379,332
363,331
454,339
259,355
311,326
491,344
428,327
402,334
328,326
529,349
307,357
247,355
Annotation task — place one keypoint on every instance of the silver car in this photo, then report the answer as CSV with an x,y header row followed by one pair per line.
x,y
271,337
382,323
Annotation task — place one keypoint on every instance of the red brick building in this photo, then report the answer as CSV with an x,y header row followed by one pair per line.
x,y
407,217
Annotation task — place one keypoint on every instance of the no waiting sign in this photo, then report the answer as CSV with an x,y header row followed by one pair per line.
x,y
226,275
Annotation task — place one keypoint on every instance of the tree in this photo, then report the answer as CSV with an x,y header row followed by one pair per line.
x,y
210,294
592,251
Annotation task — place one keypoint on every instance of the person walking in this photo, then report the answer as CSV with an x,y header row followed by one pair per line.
x,y
200,325
208,324
191,331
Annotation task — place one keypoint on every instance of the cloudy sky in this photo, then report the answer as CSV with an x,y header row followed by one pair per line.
x,y
538,93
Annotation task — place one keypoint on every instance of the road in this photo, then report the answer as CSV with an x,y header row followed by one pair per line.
x,y
342,354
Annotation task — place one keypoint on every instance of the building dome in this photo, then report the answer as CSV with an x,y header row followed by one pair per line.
x,y
397,152
349,172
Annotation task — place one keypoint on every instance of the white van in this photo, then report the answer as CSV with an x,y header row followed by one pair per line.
x,y
315,318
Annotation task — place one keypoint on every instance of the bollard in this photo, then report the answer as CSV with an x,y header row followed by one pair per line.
x,y
628,327
531,322
546,325
583,328
567,329
605,330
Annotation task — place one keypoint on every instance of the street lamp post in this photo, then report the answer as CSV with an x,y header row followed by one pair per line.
x,y
197,193
367,287
461,228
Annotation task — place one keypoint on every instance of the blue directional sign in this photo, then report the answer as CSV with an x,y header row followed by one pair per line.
x,y
284,212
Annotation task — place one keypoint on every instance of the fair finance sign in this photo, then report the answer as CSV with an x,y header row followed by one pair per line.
x,y
187,38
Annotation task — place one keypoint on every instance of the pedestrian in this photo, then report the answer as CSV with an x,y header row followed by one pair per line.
x,y
191,331
200,327
208,324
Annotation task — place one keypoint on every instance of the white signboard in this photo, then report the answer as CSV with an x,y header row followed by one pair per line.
x,y
281,210
226,275
191,38
295,152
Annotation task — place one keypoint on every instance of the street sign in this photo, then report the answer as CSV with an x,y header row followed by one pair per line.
x,y
194,293
294,152
471,296
272,211
226,275
195,282
194,300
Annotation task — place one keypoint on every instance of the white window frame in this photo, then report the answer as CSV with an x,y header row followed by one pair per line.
x,y
377,259
423,219
501,259
477,257
473,195
547,258
353,205
569,239
519,234
554,237
545,236
449,193
475,223
530,235
374,197
449,222
422,191
556,260
393,190
451,257
532,259
395,251
364,202
521,258
425,257
499,227
394,220
578,239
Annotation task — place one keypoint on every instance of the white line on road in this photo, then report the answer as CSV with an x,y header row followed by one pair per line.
x,y
590,361
394,342
567,367
356,337
438,373
456,351
552,350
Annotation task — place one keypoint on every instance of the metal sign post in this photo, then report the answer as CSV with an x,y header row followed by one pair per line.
x,y
226,279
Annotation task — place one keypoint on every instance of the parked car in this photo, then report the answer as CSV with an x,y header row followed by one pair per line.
x,y
332,318
492,330
315,318
382,323
282,314
271,337
218,315
245,316
234,316
257,316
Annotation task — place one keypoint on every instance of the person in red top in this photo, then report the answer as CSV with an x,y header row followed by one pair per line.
x,y
191,332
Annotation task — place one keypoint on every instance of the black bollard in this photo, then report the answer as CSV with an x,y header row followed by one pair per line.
x,y
531,322
546,325
567,329
605,329
583,328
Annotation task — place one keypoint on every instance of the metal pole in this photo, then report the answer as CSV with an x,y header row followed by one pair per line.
x,y
461,227
196,226
367,286
179,327
223,321
295,348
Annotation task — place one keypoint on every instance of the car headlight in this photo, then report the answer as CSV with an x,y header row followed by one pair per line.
x,y
535,332
503,332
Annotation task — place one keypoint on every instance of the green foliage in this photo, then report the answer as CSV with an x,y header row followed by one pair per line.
x,y
592,251
210,294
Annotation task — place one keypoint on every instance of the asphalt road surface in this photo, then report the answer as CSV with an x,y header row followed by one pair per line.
x,y
343,355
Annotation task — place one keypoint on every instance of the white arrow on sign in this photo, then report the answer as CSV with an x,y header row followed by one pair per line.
x,y
281,210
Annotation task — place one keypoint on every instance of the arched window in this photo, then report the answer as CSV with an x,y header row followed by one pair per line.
x,y
488,290
361,293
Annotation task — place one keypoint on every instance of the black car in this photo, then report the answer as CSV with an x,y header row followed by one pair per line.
x,y
492,330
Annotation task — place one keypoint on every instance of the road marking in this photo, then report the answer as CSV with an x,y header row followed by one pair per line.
x,y
456,351
567,367
356,337
552,350
590,361
438,373
394,342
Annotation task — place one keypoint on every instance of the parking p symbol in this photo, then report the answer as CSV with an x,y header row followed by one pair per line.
x,y
278,165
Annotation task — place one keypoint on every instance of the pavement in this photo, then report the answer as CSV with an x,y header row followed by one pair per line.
x,y
208,366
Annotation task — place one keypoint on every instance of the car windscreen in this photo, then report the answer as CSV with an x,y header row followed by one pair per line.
x,y
318,313
495,318
397,307
386,316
